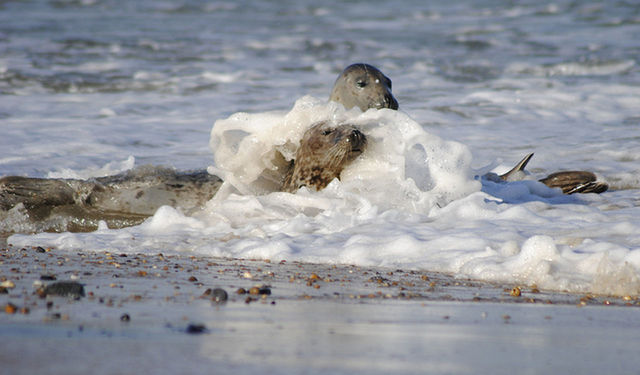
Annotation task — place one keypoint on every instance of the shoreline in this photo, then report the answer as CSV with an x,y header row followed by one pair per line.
x,y
153,314
291,280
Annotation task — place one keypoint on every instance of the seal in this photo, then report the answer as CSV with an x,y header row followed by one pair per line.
x,y
570,182
575,182
323,153
363,86
122,200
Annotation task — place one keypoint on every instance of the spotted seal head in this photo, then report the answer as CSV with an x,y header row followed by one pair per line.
x,y
324,151
363,86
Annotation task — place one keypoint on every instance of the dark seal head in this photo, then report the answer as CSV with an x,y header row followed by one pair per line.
x,y
363,86
323,153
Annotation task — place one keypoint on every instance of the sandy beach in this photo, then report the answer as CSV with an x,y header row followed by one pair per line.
x,y
151,314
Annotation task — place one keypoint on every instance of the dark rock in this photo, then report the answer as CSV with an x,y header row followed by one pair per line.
x,y
219,295
125,317
48,277
65,289
196,328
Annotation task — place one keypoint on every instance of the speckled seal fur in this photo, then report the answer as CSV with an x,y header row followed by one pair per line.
x,y
323,153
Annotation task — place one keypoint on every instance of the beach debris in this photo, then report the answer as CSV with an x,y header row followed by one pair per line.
x,y
71,289
196,328
8,284
219,295
57,316
534,289
10,308
380,281
516,292
260,290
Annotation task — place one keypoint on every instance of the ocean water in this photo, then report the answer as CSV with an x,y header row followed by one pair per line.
x,y
90,88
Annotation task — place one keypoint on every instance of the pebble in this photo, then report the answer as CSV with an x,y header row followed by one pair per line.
x,y
260,290
125,317
8,284
516,292
10,308
4,290
65,289
219,295
48,277
196,328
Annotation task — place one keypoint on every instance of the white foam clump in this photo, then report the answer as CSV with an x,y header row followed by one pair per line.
x,y
108,169
402,167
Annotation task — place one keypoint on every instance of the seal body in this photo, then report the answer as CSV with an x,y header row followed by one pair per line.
x,y
575,182
363,86
570,182
323,153
120,200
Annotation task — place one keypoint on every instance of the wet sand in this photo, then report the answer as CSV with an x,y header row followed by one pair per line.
x,y
158,314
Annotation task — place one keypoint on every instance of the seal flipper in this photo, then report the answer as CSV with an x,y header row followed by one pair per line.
x,y
513,174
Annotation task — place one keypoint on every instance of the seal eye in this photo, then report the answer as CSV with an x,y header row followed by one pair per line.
x,y
327,132
361,83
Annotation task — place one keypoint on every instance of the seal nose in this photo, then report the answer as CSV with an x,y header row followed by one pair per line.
x,y
390,101
357,140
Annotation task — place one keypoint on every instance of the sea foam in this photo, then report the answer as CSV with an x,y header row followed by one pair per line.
x,y
409,201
